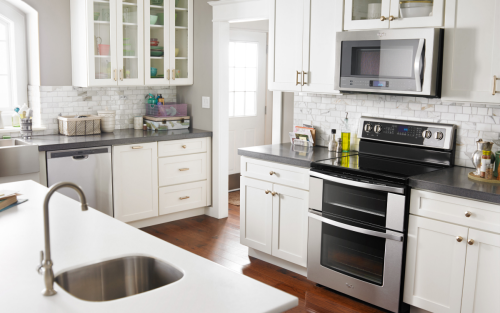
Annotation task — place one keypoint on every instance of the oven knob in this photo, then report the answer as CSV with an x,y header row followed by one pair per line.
x,y
427,134
368,128
377,128
438,135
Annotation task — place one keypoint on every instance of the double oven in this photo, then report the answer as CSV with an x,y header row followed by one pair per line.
x,y
356,236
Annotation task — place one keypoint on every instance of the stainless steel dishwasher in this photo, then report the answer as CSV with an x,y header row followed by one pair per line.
x,y
89,168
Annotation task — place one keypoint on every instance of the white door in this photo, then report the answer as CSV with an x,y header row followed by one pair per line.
x,y
366,14
433,19
135,181
290,223
157,43
247,92
482,273
103,66
181,42
471,47
256,216
435,262
130,40
285,45
322,19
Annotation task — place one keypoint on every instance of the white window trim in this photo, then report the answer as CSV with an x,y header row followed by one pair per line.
x,y
11,64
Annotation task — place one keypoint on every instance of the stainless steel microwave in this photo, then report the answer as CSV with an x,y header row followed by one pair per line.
x,y
392,61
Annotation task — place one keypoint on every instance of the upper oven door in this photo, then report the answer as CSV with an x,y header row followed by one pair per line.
x,y
403,61
376,204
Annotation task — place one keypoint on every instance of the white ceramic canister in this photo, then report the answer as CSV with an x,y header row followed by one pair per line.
x,y
138,122
108,120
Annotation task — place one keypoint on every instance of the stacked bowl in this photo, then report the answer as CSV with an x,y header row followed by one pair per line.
x,y
107,120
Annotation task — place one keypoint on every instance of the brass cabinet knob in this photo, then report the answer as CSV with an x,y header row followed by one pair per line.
x,y
184,146
267,192
470,241
272,173
383,18
459,238
274,193
468,214
391,18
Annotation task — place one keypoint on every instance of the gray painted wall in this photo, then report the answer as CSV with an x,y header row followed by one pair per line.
x,y
55,41
203,69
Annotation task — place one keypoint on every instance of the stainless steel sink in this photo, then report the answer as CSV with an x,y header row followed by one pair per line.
x,y
118,278
18,157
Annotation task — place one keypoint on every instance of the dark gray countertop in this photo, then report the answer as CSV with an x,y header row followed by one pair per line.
x,y
454,181
118,137
284,153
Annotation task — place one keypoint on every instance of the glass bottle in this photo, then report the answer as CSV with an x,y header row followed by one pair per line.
x,y
346,135
332,144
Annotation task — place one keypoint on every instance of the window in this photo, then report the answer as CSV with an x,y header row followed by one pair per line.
x,y
243,62
7,68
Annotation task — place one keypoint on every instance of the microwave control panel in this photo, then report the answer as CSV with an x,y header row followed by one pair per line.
x,y
404,133
378,84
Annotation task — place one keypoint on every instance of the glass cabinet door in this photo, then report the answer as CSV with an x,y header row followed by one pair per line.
x,y
424,13
102,42
181,48
130,42
156,42
366,14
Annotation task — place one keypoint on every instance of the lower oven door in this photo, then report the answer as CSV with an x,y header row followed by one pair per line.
x,y
361,261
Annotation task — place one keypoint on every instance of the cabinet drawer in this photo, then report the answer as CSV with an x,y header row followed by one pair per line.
x,y
292,176
483,215
182,147
183,197
182,169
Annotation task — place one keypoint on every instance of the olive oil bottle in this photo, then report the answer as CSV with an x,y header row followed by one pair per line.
x,y
346,135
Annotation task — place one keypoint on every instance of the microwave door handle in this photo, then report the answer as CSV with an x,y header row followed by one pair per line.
x,y
357,183
416,65
320,218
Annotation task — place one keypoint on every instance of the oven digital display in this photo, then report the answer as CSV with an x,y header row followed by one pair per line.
x,y
379,83
402,129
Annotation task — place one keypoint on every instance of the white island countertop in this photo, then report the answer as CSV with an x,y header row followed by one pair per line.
x,y
80,238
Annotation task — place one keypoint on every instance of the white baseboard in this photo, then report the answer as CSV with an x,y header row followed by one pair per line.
x,y
277,261
168,218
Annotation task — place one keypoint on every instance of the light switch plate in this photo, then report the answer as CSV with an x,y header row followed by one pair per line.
x,y
205,102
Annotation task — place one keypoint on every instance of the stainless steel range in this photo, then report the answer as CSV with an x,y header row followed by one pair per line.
x,y
358,212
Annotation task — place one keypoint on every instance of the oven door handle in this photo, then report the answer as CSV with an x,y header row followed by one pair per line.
x,y
357,184
354,228
416,65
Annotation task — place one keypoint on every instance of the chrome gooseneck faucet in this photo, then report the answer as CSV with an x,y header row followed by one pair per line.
x,y
46,263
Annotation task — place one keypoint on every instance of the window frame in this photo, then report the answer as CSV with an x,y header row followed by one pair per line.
x,y
11,64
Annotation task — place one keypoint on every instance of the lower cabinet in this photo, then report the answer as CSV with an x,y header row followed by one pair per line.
x,y
274,219
451,268
135,181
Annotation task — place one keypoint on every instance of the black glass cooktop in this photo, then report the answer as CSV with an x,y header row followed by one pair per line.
x,y
382,167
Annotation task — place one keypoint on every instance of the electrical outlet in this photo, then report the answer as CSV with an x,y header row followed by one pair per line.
x,y
205,102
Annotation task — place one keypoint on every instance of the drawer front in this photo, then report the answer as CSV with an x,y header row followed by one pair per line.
x,y
182,169
183,197
287,175
462,211
182,147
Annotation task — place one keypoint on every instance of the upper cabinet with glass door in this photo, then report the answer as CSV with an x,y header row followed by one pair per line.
x,y
380,14
169,42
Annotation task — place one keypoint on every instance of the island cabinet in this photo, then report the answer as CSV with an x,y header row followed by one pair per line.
x,y
274,207
453,254
153,180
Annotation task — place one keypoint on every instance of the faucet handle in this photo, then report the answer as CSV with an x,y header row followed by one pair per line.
x,y
40,267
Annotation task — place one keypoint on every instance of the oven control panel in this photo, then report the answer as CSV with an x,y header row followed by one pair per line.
x,y
407,132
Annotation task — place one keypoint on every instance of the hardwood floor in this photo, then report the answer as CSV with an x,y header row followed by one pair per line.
x,y
219,241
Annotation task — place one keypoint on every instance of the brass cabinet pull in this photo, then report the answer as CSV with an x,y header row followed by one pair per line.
x,y
495,78
383,18
168,74
468,214
114,74
137,147
184,169
303,78
173,74
391,18
184,146
459,238
470,241
184,198
297,79
267,192
274,193
121,75
271,173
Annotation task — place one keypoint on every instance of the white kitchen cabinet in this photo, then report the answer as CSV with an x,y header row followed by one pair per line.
x,y
383,14
435,263
290,209
135,181
471,49
302,44
256,214
482,276
174,31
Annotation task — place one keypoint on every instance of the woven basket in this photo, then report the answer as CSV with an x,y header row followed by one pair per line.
x,y
72,126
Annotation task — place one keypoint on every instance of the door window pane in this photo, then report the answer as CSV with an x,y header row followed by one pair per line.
x,y
243,60
366,9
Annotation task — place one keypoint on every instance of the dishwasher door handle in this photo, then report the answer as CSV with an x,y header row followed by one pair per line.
x,y
80,157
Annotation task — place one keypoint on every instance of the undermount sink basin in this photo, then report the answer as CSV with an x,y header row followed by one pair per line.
x,y
118,278
11,142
